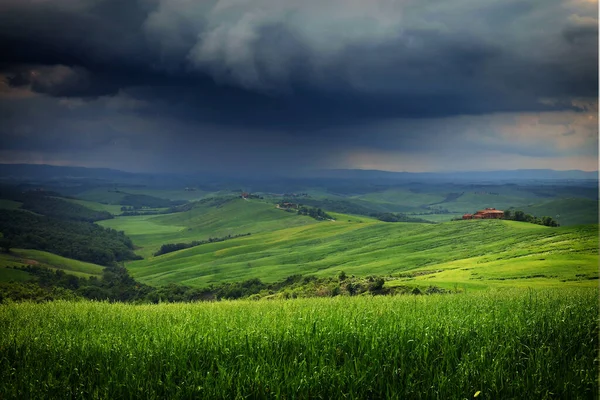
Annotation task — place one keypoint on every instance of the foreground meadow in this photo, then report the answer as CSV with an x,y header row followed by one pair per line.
x,y
503,344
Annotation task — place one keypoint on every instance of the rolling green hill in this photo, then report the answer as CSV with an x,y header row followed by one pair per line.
x,y
21,258
111,196
511,250
575,205
209,218
572,211
472,254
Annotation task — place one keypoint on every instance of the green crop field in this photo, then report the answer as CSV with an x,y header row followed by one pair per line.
x,y
513,250
231,218
21,257
505,344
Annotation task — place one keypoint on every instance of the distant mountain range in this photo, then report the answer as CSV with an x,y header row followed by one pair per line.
x,y
503,175
45,173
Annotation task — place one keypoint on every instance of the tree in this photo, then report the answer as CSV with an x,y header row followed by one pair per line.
x,y
549,221
519,216
376,285
507,214
351,288
4,244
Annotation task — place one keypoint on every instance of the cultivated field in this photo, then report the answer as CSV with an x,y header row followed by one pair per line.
x,y
234,217
494,345
471,254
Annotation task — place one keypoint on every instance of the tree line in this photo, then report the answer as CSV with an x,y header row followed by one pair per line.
x,y
116,285
315,213
519,215
79,240
171,247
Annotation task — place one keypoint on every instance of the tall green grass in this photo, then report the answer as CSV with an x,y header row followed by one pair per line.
x,y
504,344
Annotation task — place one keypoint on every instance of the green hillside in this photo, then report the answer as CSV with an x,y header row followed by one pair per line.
x,y
572,211
114,209
21,258
211,218
577,207
169,194
112,196
510,249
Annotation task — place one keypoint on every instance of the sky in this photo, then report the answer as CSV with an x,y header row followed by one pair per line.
x,y
289,86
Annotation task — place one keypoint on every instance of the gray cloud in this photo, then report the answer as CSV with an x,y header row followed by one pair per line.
x,y
203,82
276,46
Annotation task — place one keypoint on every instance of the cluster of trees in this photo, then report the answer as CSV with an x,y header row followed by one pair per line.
x,y
116,284
79,240
128,212
250,196
315,213
518,215
171,247
341,206
295,286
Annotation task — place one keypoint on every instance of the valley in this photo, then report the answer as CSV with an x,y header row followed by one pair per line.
x,y
316,288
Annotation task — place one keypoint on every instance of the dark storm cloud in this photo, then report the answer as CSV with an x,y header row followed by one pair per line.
x,y
272,81
268,62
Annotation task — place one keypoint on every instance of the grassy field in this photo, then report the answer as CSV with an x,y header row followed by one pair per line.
x,y
472,253
231,218
492,345
533,200
571,211
21,257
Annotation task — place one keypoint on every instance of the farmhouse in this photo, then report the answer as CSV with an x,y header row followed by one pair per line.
x,y
488,213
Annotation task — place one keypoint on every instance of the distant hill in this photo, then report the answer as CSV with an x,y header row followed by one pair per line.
x,y
35,172
474,176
